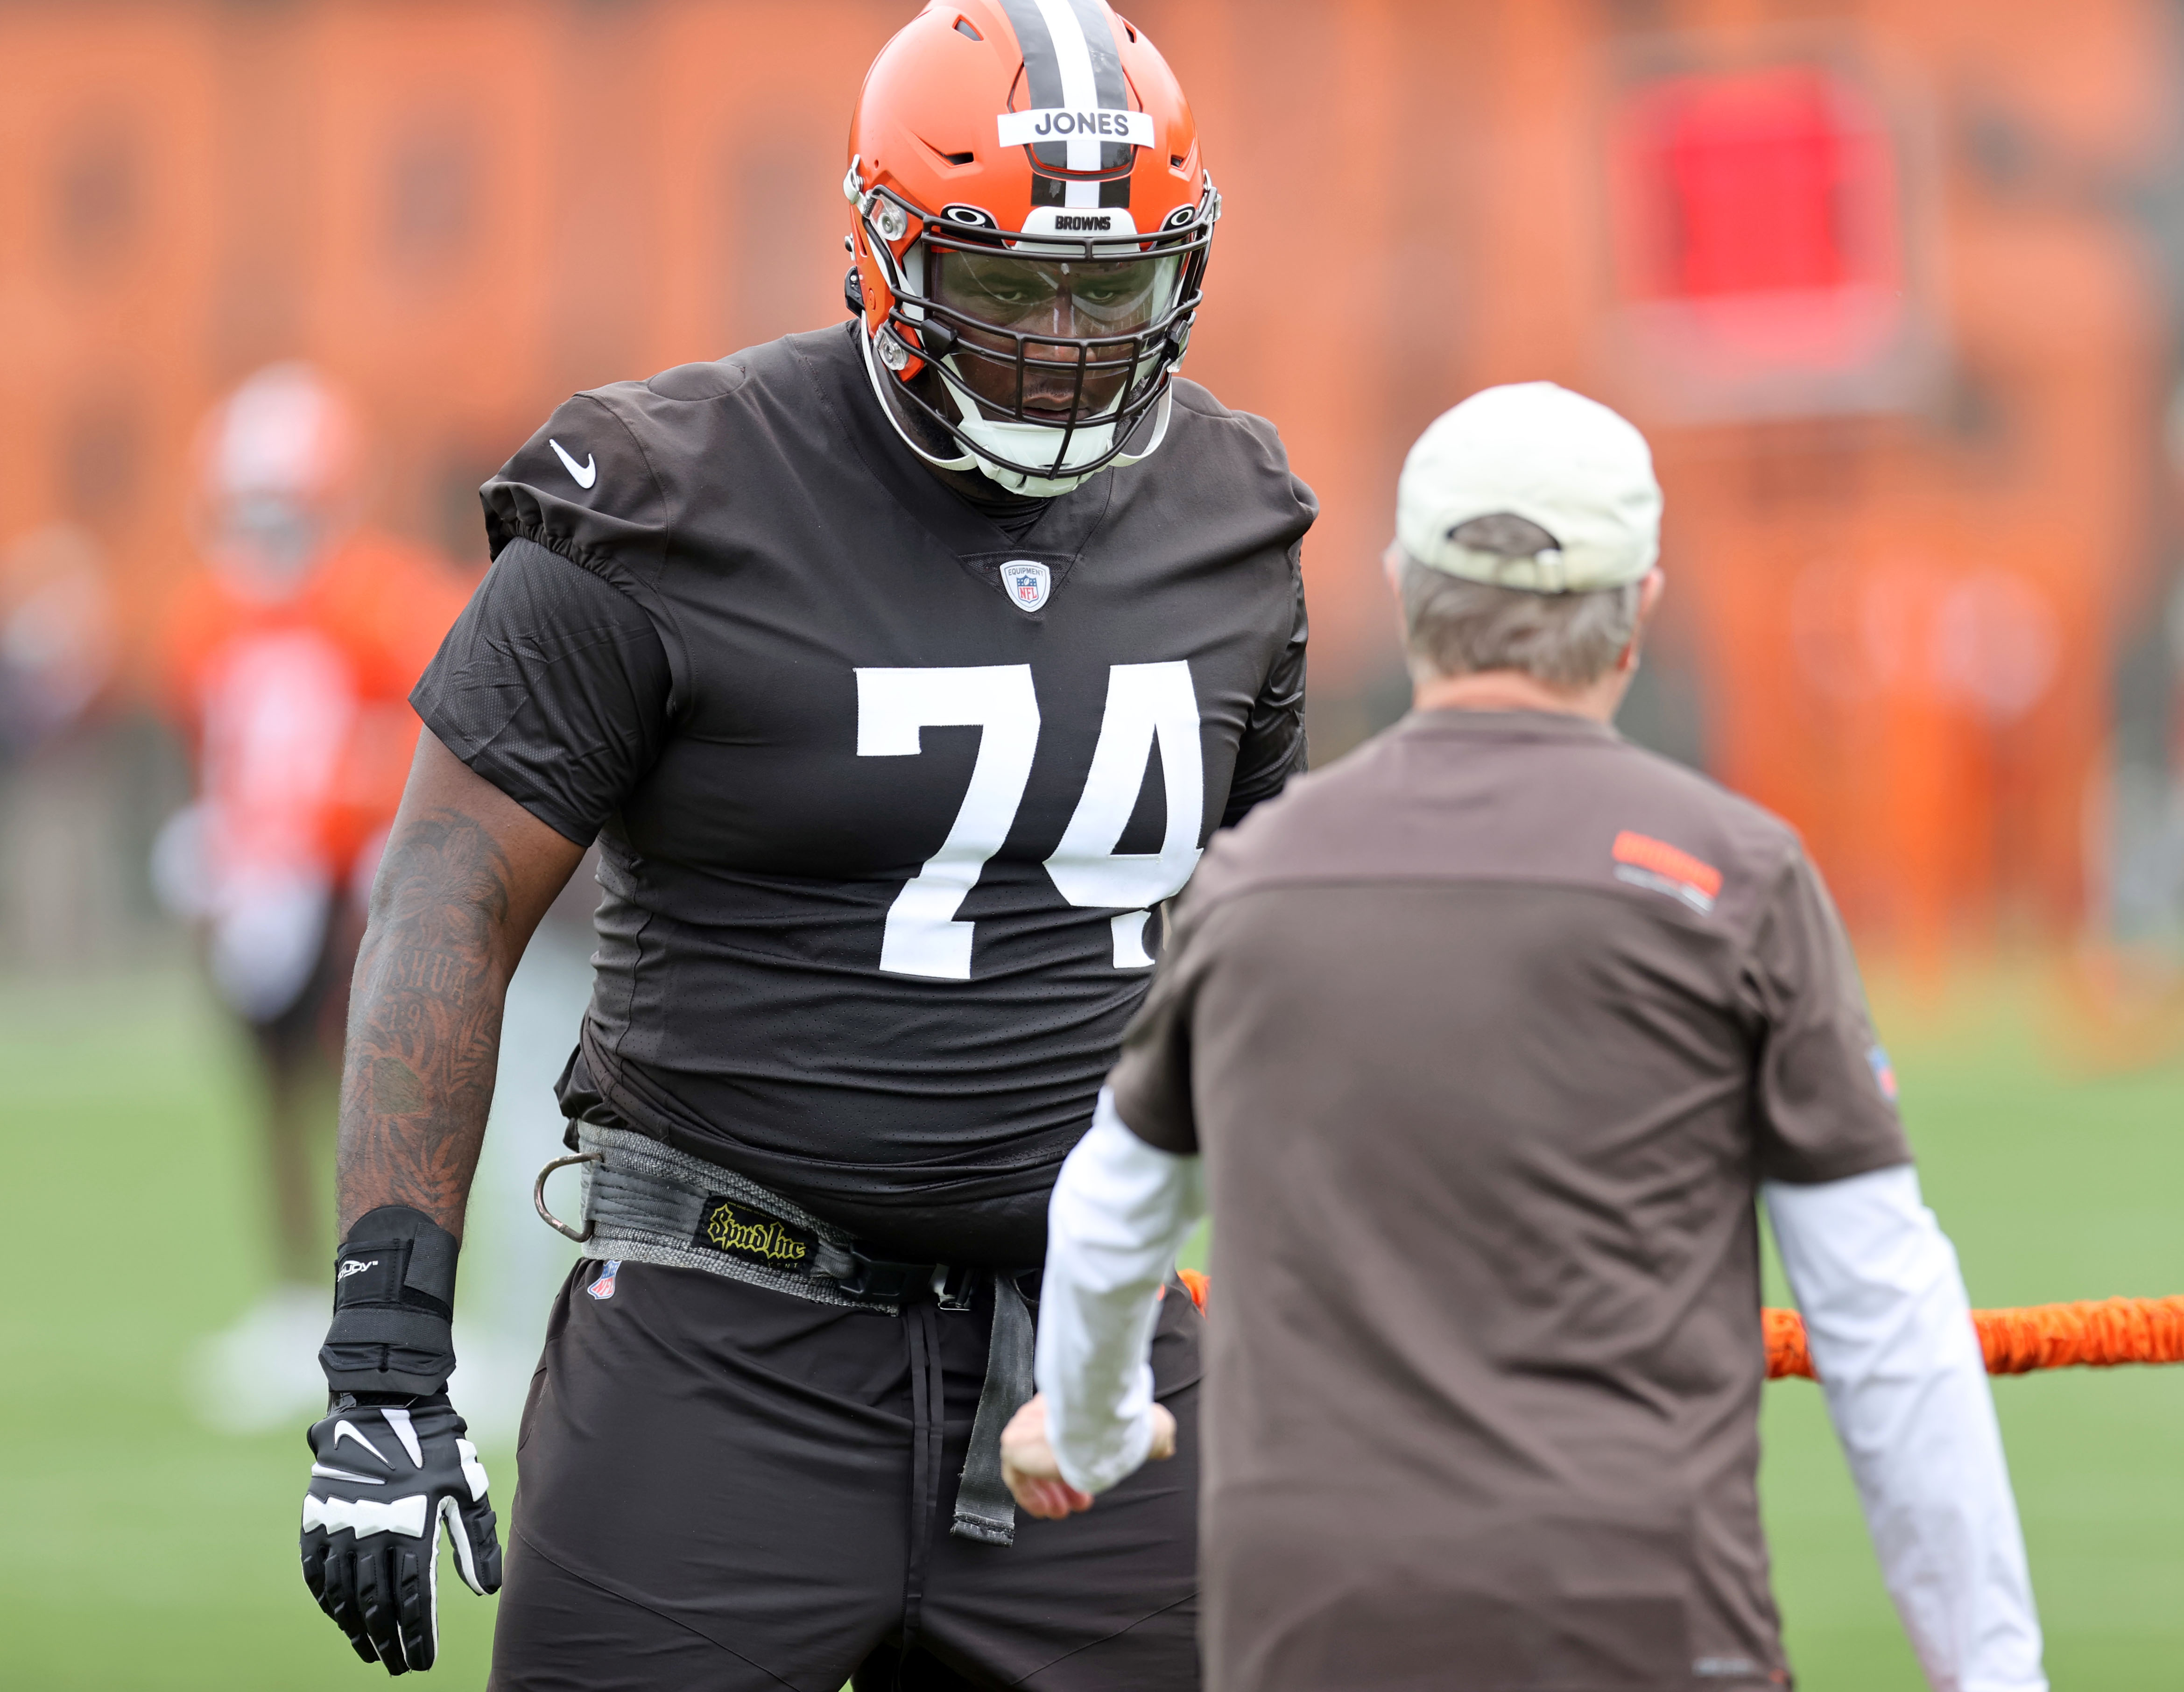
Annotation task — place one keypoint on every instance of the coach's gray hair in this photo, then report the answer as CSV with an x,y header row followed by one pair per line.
x,y
1454,626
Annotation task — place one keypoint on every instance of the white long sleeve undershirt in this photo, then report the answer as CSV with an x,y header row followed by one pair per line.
x,y
1886,1315
1121,1210
1891,1332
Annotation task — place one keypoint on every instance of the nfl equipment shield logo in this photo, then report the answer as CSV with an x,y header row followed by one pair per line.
x,y
1028,583
603,1287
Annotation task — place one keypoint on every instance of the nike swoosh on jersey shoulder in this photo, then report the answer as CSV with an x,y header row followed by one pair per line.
x,y
621,519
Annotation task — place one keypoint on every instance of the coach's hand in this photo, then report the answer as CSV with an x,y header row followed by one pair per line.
x,y
384,1478
1033,1475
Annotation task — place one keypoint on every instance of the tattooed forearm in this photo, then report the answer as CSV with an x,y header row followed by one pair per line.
x,y
424,1031
439,972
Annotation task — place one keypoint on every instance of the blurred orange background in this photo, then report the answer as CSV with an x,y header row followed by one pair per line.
x,y
1892,286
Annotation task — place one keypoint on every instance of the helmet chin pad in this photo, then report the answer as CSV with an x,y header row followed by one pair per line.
x,y
984,438
992,438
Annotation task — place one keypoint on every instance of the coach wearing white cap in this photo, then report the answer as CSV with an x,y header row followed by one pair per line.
x,y
1481,1046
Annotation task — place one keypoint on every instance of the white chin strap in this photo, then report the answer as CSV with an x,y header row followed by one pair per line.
x,y
1024,443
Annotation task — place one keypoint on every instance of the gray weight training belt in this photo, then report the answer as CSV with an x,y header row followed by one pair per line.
x,y
648,1203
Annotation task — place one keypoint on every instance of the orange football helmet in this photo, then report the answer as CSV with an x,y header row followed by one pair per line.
x,y
1031,222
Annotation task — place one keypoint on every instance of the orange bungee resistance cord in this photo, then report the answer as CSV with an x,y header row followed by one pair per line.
x,y
2095,1334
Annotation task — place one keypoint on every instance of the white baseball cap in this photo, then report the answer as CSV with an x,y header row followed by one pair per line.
x,y
1555,459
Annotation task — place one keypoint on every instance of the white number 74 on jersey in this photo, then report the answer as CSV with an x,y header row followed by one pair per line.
x,y
1145,702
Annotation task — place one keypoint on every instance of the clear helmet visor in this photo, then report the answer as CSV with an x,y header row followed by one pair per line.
x,y
1053,340
1073,298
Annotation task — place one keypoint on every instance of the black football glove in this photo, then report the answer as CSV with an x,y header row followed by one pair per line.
x,y
384,1479
390,1465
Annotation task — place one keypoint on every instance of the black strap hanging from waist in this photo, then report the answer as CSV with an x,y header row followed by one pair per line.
x,y
984,1512
929,1427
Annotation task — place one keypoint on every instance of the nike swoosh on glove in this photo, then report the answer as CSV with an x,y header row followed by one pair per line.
x,y
384,1480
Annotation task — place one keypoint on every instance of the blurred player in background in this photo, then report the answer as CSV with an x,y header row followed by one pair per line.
x,y
288,660
57,636
61,868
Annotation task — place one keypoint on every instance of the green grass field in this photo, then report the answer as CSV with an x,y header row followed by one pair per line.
x,y
146,1554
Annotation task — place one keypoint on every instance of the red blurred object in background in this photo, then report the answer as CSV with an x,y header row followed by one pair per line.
x,y
1774,180
1762,243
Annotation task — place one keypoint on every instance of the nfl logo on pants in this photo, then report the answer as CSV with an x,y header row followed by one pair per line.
x,y
1028,583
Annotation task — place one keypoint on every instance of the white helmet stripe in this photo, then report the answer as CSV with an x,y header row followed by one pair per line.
x,y
1080,92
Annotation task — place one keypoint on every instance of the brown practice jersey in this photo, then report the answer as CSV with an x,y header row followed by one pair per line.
x,y
1489,1034
885,784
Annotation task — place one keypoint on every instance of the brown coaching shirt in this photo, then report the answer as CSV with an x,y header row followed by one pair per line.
x,y
1488,1033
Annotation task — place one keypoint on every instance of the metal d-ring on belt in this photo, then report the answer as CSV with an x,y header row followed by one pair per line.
x,y
645,1202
